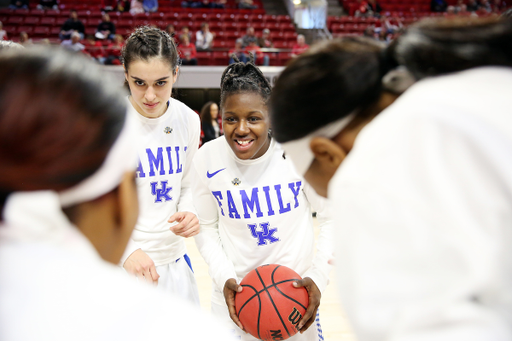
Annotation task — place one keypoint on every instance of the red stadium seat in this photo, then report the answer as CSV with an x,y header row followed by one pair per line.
x,y
31,21
41,31
94,22
284,57
37,12
54,31
14,20
125,23
290,35
28,29
47,21
220,58
204,58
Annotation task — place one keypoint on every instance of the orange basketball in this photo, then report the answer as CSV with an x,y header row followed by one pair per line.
x,y
269,307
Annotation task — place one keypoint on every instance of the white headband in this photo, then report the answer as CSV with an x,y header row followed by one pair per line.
x,y
300,151
121,158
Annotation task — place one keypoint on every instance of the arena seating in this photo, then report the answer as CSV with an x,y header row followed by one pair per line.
x,y
228,24
404,12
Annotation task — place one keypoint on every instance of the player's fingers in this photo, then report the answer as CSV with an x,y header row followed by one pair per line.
x,y
308,322
175,217
314,302
188,222
154,275
147,276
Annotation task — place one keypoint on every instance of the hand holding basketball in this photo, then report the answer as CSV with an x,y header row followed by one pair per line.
x,y
142,266
188,224
314,302
230,288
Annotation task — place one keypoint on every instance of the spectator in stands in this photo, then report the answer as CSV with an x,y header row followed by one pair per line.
x,y
150,5
249,36
246,4
114,51
265,41
238,51
123,5
384,36
259,57
19,4
204,38
24,39
198,4
498,6
185,32
3,33
188,53
374,7
210,122
136,7
369,31
72,25
300,47
438,5
368,8
450,12
73,44
172,32
94,49
48,4
473,6
220,3
463,10
485,6
109,5
106,29
458,6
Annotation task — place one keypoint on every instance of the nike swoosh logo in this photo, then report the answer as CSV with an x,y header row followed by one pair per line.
x,y
210,175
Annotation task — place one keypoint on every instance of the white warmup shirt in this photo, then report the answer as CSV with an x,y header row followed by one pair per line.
x,y
256,212
55,287
204,41
167,145
423,205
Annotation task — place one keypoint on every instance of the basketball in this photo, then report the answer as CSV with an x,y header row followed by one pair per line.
x,y
269,306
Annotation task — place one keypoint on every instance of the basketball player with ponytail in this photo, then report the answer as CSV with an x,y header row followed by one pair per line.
x,y
169,135
420,184
254,209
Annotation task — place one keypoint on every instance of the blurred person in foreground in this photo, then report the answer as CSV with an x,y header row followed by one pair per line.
x,y
420,183
68,205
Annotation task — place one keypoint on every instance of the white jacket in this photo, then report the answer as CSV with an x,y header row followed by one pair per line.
x,y
423,205
55,287
256,212
166,147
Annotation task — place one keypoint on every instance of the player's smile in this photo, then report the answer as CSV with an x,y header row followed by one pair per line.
x,y
246,124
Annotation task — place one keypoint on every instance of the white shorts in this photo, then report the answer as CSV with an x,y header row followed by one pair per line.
x,y
314,332
178,277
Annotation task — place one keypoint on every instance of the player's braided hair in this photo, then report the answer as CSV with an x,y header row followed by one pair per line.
x,y
243,77
148,42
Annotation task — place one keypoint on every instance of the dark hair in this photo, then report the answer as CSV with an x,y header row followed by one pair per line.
x,y
335,78
149,42
59,116
434,47
242,77
206,116
327,82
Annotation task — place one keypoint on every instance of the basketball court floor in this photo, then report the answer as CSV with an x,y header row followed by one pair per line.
x,y
334,325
